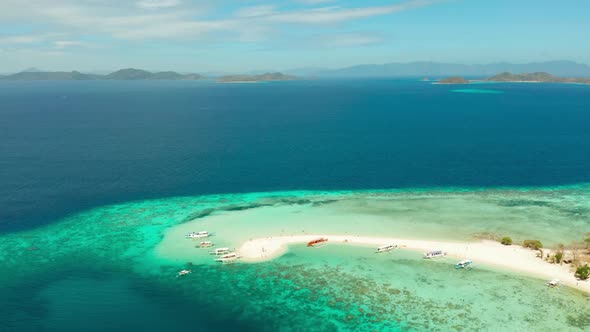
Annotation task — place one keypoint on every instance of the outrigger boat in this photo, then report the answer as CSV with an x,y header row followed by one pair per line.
x,y
184,272
220,251
386,248
318,242
197,235
231,257
464,264
554,283
435,254
205,244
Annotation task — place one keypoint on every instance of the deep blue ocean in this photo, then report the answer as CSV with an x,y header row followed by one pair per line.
x,y
67,147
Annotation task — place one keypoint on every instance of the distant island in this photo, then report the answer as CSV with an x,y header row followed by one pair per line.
x,y
454,80
256,78
123,74
539,77
135,75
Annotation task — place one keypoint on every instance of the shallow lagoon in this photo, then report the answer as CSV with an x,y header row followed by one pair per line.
x,y
131,253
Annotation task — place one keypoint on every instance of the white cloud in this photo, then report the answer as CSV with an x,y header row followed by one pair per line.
x,y
61,44
338,14
122,20
315,2
157,4
255,11
22,39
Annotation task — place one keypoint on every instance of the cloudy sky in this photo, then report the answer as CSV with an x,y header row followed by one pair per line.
x,y
243,35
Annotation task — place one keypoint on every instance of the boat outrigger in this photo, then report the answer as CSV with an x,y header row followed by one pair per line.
x,y
435,254
184,272
220,251
197,235
554,283
386,248
318,242
228,258
205,244
464,264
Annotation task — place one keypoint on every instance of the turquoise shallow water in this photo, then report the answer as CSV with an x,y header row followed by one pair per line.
x,y
116,263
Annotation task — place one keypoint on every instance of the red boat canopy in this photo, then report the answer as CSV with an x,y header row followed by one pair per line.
x,y
316,241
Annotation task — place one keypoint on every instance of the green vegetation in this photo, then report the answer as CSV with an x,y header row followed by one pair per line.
x,y
454,80
558,257
536,77
583,272
506,240
532,244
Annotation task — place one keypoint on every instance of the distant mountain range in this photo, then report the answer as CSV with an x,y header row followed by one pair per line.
x,y
411,69
436,69
123,74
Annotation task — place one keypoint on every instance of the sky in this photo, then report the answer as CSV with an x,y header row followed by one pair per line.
x,y
246,35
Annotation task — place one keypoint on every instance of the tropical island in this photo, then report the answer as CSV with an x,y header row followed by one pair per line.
x,y
266,77
454,80
132,74
537,77
122,74
561,257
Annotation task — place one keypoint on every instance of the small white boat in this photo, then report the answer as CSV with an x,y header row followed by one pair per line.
x,y
435,254
184,272
466,263
554,283
220,251
386,248
206,244
231,257
197,235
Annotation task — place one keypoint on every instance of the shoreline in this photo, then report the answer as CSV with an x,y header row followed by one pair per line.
x,y
491,253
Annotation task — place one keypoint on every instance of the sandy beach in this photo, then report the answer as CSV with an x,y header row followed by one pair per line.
x,y
514,258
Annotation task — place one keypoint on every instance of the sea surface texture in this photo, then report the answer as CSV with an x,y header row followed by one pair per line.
x,y
100,180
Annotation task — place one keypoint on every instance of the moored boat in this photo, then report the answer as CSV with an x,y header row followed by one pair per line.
x,y
554,283
184,272
318,242
466,263
206,244
231,257
197,235
435,254
220,251
386,248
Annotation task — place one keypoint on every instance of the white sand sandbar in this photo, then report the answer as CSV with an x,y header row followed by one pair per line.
x,y
514,258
